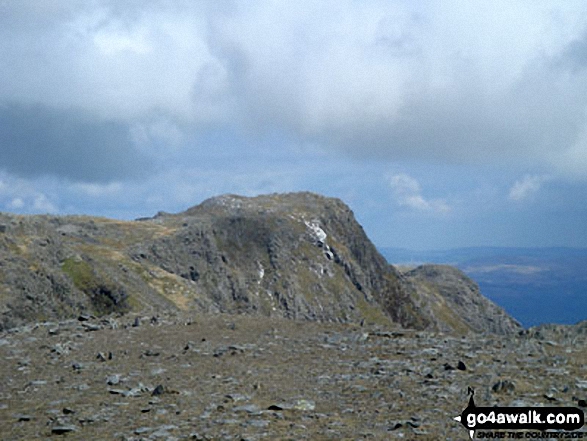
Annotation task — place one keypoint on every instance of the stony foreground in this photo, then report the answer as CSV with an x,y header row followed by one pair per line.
x,y
246,378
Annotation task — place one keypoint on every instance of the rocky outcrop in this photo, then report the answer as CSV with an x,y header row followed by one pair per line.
x,y
453,302
298,255
563,334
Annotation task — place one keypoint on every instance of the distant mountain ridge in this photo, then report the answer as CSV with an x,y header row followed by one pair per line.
x,y
535,285
297,255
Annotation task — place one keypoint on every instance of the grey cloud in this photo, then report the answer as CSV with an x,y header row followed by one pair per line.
x,y
575,55
533,121
525,123
424,100
374,80
38,140
35,16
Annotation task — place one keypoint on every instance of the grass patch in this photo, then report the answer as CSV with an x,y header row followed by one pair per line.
x,y
80,272
105,296
372,313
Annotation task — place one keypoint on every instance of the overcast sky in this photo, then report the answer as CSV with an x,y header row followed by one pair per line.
x,y
441,123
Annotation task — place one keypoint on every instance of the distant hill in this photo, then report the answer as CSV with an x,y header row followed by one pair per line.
x,y
297,255
445,288
535,285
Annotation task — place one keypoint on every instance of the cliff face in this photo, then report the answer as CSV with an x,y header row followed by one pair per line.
x,y
298,255
295,255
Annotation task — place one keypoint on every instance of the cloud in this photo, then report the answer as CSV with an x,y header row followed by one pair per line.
x,y
98,190
443,82
390,82
16,204
39,140
41,204
118,60
408,193
25,196
526,187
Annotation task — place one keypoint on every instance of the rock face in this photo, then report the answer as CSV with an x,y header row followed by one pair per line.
x,y
453,302
57,267
564,334
295,255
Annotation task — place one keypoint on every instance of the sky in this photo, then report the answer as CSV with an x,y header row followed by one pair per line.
x,y
442,124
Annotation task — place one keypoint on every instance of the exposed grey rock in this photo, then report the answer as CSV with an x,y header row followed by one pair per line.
x,y
553,334
159,390
91,326
298,255
113,380
151,353
319,380
504,386
453,302
117,392
247,408
142,430
257,423
264,255
77,366
301,404
236,397
23,417
62,430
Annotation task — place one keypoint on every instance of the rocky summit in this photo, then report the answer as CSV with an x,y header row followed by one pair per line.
x,y
299,256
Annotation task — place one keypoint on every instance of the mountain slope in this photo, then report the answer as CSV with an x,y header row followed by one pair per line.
x,y
296,255
455,300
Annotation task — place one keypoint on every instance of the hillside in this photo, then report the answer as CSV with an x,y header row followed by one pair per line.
x,y
299,256
447,288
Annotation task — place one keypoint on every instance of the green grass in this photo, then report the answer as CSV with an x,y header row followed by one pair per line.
x,y
105,296
80,272
372,313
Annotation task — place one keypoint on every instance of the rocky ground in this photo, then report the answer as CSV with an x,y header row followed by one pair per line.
x,y
225,377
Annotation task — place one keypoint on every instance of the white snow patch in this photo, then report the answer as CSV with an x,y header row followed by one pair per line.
x,y
317,232
261,272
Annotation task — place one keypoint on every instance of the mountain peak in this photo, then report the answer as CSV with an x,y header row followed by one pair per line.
x,y
296,255
275,202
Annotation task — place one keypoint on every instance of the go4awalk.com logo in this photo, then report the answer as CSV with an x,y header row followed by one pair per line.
x,y
486,421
